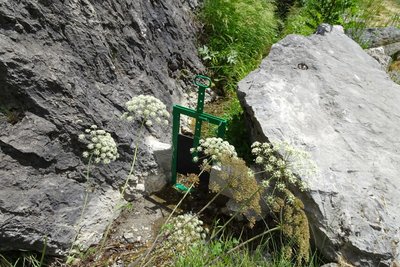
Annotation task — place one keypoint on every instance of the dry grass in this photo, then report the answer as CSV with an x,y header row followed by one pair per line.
x,y
389,14
395,66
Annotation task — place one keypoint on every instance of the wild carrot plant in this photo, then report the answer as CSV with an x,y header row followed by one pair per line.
x,y
101,149
148,110
282,165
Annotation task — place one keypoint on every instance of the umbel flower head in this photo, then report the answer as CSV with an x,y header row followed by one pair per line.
x,y
281,161
146,108
184,231
101,146
216,148
284,164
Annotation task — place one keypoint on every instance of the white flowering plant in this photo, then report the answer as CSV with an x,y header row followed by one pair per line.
x,y
183,231
146,108
101,146
284,164
215,148
178,236
281,161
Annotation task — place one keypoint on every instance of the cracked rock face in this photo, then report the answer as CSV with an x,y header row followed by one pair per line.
x,y
65,65
326,95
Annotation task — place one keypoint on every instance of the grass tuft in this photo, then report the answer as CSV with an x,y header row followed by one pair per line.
x,y
237,34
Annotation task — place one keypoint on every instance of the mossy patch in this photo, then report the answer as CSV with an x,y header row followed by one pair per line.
x,y
10,114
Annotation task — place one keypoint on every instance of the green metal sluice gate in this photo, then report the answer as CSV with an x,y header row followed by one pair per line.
x,y
182,158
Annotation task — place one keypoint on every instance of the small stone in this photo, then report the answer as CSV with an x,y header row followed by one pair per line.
x,y
129,237
19,28
76,261
140,187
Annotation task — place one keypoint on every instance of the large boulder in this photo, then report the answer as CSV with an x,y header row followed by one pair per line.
x,y
326,95
65,65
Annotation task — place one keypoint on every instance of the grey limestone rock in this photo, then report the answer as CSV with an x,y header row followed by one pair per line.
x,y
375,37
65,65
379,54
344,110
383,44
392,49
331,265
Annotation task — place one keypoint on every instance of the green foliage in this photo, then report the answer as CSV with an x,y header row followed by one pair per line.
x,y
10,115
394,71
305,16
237,131
6,262
365,16
282,164
222,252
297,22
238,134
237,34
394,21
23,259
204,254
240,181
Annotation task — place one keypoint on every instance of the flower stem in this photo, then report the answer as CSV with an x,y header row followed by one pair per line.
x,y
173,211
85,202
143,263
236,213
133,161
125,184
159,235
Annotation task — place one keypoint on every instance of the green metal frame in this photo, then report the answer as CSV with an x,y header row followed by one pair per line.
x,y
200,117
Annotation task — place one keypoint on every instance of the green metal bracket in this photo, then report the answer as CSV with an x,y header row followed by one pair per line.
x,y
203,83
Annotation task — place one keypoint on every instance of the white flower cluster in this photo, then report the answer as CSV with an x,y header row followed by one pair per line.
x,y
101,147
216,148
281,161
146,108
186,230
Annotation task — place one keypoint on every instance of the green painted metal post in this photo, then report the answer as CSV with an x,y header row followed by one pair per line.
x,y
176,117
203,83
